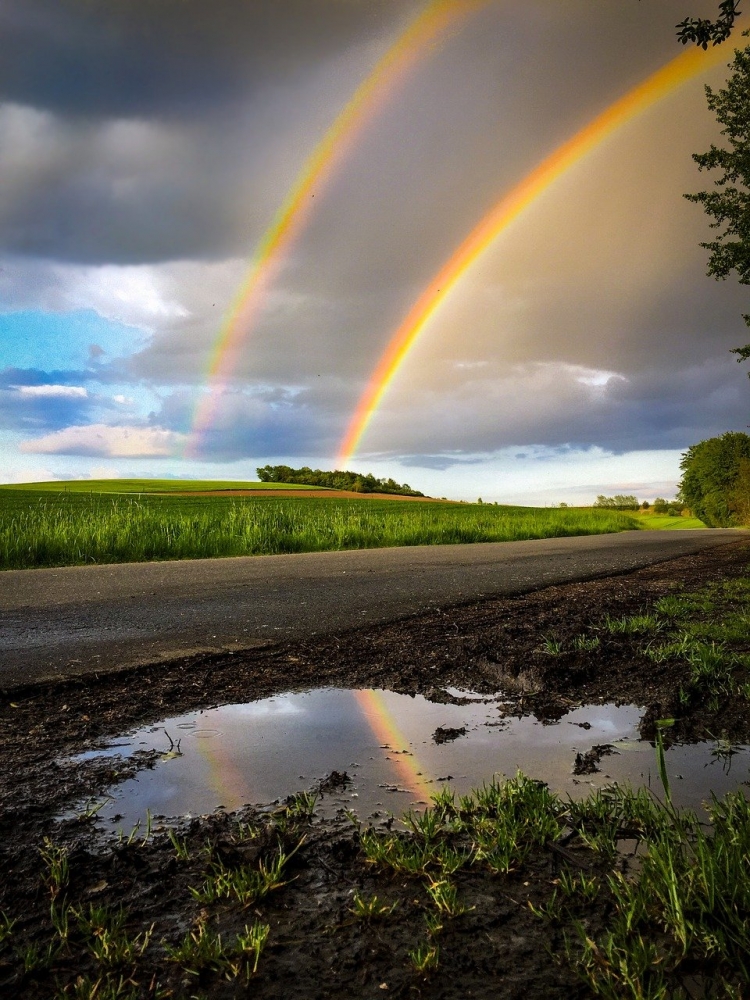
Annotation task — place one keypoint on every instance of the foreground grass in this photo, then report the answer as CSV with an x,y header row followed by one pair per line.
x,y
686,905
39,529
675,925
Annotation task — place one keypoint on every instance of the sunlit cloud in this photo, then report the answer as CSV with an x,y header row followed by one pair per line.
x,y
58,391
108,441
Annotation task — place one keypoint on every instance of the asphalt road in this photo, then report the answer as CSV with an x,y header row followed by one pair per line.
x,y
61,622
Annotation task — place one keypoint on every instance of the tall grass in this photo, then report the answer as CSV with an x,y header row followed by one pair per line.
x,y
42,531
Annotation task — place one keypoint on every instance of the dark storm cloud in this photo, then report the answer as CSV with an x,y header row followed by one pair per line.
x,y
154,57
119,192
100,170
167,132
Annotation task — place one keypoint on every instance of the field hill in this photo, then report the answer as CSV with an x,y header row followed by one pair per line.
x,y
178,486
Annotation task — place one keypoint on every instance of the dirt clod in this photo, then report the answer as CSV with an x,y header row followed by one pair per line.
x,y
446,734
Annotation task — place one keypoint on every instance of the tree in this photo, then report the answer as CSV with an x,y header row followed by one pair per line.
x,y
739,499
715,479
618,502
729,203
703,31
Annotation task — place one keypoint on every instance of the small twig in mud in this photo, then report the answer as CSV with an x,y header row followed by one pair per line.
x,y
569,856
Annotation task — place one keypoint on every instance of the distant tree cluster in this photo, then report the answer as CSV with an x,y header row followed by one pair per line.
x,y
357,482
716,480
618,502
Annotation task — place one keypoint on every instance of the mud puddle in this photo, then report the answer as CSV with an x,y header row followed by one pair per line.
x,y
379,753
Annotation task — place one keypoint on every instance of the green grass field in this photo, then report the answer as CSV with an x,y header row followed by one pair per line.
x,y
73,526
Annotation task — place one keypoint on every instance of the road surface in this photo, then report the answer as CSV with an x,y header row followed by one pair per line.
x,y
61,622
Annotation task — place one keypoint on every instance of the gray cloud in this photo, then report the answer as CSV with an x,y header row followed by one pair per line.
x,y
162,57
556,405
125,181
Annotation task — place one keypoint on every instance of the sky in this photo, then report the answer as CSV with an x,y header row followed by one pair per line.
x,y
147,146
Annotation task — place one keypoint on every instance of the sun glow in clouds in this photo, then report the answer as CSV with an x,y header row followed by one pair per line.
x,y
659,85
290,219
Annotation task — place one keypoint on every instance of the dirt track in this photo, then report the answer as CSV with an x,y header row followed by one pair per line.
x,y
89,619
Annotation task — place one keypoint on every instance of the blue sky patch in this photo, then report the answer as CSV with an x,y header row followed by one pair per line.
x,y
57,341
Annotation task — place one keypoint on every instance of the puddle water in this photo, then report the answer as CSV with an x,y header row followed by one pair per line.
x,y
396,749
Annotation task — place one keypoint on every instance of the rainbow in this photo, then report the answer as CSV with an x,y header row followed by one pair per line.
x,y
230,779
386,731
290,219
226,777
656,87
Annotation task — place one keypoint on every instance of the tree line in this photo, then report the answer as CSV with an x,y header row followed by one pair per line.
x,y
630,502
357,482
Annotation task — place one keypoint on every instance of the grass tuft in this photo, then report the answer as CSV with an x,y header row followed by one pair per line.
x,y
425,957
371,909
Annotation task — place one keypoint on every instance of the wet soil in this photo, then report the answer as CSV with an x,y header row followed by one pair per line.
x,y
316,947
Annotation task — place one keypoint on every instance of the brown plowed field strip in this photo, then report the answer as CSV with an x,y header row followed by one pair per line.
x,y
329,494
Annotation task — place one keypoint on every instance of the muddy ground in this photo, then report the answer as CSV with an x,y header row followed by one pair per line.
x,y
316,948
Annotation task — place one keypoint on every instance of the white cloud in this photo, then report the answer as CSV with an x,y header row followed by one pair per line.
x,y
32,474
108,441
135,294
56,391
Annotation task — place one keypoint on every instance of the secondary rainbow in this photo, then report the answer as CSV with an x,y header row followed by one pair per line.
x,y
659,85
227,777
291,217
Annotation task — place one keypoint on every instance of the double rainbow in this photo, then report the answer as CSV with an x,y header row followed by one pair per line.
x,y
291,218
232,780
665,81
